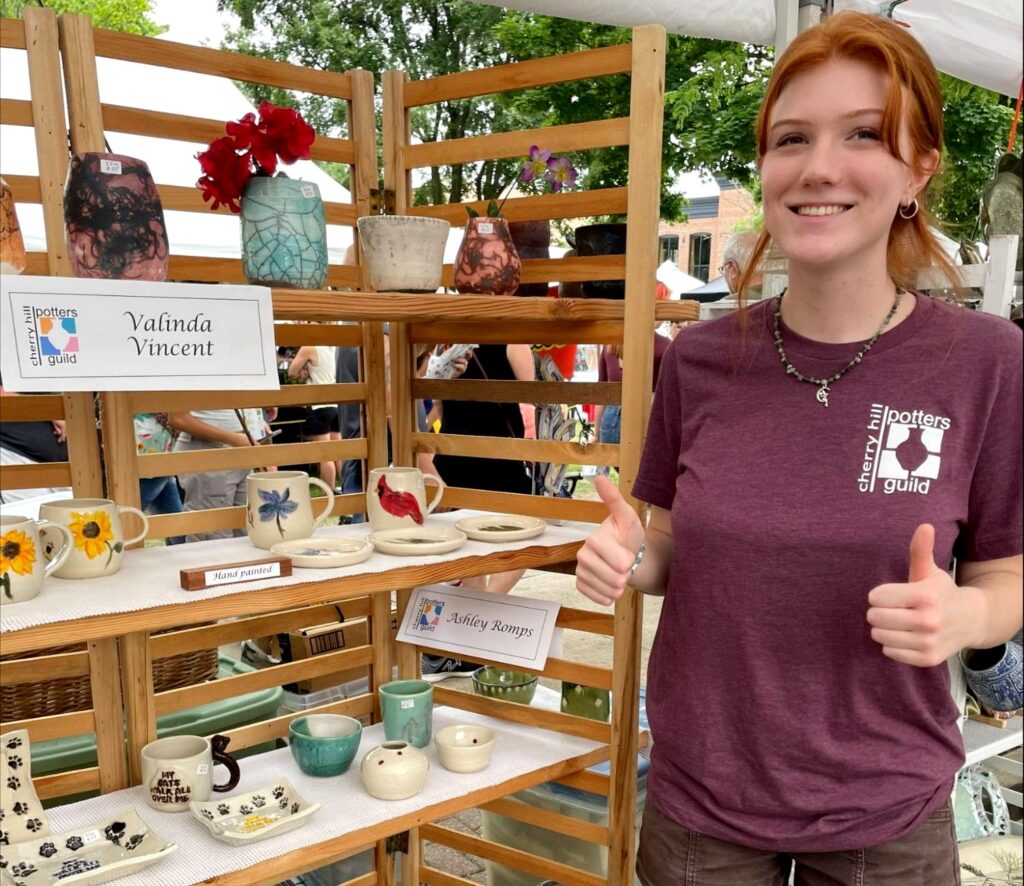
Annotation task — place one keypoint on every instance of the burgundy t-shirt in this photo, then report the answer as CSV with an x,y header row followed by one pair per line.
x,y
777,721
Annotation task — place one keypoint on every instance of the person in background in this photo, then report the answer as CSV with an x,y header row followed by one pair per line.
x,y
28,443
317,364
157,495
676,326
735,259
813,465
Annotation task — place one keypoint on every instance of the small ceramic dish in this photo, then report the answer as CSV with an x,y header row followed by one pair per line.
x,y
324,745
415,542
504,685
464,748
106,851
255,815
501,527
20,810
324,553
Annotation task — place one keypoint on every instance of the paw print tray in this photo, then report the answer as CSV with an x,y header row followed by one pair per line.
x,y
256,815
100,853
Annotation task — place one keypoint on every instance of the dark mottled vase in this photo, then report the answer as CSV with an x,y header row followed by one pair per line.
x,y
996,676
113,219
284,236
532,239
602,239
487,262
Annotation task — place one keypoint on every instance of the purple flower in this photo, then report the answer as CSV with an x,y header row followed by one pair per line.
x,y
536,165
560,173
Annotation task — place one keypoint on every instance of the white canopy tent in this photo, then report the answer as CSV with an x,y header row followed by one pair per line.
x,y
979,41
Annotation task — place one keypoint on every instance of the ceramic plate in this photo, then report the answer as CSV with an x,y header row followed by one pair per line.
x,y
501,527
418,541
255,815
21,813
99,853
324,553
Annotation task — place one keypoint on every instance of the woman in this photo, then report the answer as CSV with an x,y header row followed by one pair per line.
x,y
812,470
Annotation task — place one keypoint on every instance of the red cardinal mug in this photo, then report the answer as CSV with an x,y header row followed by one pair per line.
x,y
396,498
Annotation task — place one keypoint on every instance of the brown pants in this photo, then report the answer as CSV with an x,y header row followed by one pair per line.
x,y
672,855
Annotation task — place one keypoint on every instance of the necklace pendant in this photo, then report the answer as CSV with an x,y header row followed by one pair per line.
x,y
822,395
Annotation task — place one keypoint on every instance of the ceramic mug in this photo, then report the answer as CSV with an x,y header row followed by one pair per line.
x,y
98,540
407,708
278,507
396,498
23,563
179,770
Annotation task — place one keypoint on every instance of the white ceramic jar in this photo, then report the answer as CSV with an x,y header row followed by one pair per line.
x,y
394,770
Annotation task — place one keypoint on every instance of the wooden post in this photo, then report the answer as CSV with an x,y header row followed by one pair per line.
x,y
105,685
79,56
139,704
364,177
397,178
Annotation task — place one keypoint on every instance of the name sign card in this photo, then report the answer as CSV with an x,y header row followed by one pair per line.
x,y
202,577
71,334
513,630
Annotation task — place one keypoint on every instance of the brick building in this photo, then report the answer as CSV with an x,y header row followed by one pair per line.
x,y
715,209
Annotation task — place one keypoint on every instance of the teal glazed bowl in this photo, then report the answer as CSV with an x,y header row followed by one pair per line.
x,y
324,744
505,685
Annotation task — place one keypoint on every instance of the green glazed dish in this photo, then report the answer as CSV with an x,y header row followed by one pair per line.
x,y
505,685
324,744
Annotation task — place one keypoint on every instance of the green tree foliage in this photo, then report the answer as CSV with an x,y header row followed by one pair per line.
x,y
129,16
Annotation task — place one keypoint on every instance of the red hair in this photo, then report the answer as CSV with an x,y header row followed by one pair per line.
x,y
914,96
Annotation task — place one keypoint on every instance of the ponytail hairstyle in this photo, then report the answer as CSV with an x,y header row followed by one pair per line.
x,y
914,96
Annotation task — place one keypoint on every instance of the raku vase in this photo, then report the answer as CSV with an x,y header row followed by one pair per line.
x,y
284,235
487,262
113,219
602,239
532,239
12,247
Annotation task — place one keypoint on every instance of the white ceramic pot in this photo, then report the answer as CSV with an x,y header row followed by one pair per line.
x,y
464,748
394,770
404,253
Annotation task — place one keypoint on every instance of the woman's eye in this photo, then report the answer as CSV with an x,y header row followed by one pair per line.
x,y
867,133
789,139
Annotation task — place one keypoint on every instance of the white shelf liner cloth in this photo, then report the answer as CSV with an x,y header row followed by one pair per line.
x,y
149,577
346,805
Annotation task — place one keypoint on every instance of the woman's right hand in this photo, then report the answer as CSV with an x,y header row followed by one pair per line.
x,y
603,563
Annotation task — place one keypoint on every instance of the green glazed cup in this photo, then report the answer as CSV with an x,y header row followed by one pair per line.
x,y
586,701
324,744
407,707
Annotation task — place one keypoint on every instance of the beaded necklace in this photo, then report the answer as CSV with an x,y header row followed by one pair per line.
x,y
823,383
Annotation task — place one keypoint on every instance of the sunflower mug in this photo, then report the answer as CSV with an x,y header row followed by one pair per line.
x,y
98,541
23,561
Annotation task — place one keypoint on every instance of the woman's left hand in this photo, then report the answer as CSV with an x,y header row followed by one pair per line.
x,y
925,620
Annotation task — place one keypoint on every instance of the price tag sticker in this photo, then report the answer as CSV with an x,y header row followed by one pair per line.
x,y
308,191
408,703
110,167
202,769
90,837
485,228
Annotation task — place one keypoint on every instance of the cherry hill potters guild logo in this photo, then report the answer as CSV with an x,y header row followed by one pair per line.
x,y
52,335
429,615
903,452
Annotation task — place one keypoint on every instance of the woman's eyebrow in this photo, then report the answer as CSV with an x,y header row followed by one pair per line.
x,y
860,112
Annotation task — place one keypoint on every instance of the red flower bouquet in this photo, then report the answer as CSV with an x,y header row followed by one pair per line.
x,y
251,148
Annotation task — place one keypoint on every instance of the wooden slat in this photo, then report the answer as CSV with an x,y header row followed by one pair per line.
x,y
137,693
269,730
232,65
594,782
12,33
230,687
554,669
297,335
16,112
49,667
38,264
64,784
108,713
25,187
569,137
77,52
521,75
57,473
574,204
518,391
56,726
434,877
288,395
606,454
170,463
229,270
531,505
528,332
562,873
186,199
551,821
585,620
31,407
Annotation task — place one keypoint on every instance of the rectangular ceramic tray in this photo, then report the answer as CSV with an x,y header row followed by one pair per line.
x,y
255,815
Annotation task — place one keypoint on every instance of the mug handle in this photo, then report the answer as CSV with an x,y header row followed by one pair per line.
x,y
218,747
316,481
125,509
57,560
436,500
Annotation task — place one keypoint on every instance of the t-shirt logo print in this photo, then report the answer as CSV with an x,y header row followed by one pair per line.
x,y
903,452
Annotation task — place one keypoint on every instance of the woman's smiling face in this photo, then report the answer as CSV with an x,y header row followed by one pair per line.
x,y
830,187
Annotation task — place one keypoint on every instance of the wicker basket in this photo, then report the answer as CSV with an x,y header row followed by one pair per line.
x,y
23,701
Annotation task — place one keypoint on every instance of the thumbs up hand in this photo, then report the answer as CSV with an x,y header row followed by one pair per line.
x,y
604,561
925,620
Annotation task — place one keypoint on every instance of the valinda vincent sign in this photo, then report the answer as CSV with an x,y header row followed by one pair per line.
x,y
68,334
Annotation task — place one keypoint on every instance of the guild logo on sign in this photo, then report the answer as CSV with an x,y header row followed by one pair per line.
x,y
57,336
429,615
904,450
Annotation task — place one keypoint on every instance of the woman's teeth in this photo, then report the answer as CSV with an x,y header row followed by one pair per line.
x,y
820,210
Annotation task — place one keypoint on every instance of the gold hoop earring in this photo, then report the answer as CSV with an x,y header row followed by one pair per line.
x,y
909,211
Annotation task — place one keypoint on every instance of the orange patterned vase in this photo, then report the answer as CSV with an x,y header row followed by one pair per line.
x,y
487,262
12,247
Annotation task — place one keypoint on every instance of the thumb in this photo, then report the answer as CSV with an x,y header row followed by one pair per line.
x,y
922,552
618,509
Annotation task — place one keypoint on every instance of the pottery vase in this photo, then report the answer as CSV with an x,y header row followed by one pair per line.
x,y
284,235
487,262
394,770
113,219
532,239
996,676
602,239
404,253
13,259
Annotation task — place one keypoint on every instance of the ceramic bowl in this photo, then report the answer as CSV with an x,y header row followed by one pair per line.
x,y
395,770
324,744
504,685
464,748
404,253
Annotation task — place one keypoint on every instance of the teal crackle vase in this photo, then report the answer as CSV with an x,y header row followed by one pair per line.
x,y
284,236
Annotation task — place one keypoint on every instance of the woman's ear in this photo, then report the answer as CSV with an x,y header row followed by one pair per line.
x,y
922,173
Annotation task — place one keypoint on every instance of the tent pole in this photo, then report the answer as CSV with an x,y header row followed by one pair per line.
x,y
795,16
